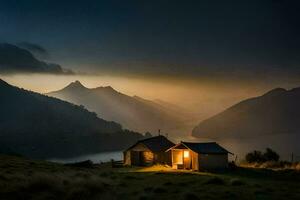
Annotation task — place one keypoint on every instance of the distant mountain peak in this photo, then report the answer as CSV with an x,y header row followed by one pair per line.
x,y
75,85
107,89
275,112
3,83
294,90
138,97
275,92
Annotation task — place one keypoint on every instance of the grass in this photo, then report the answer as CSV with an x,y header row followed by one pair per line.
x,y
22,178
275,165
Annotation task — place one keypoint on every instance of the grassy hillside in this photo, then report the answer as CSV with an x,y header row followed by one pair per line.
x,y
21,178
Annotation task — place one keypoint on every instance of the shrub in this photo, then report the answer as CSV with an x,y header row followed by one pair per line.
x,y
259,157
270,155
255,156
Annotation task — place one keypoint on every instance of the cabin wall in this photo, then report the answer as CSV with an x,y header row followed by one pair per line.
x,y
139,155
195,163
163,158
177,158
127,159
147,158
179,161
213,161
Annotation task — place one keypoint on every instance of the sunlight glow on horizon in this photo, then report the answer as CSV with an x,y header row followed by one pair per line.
x,y
197,97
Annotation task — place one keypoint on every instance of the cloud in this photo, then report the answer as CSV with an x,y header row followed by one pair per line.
x,y
34,48
14,59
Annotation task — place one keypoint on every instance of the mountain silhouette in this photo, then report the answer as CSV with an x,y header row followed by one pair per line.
x,y
14,59
38,126
276,112
134,113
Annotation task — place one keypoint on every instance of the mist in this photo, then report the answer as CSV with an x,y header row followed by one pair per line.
x,y
202,97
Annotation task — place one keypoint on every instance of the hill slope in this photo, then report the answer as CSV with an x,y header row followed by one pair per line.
x,y
134,113
276,112
32,179
39,126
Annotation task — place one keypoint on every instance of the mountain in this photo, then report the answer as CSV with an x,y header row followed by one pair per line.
x,y
134,113
14,59
38,126
276,112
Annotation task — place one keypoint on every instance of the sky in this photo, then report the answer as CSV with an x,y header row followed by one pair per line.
x,y
193,52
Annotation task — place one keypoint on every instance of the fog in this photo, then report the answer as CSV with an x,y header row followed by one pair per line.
x,y
203,97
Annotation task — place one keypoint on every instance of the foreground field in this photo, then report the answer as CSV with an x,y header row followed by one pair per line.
x,y
26,179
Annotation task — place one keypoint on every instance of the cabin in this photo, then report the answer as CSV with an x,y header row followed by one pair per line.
x,y
149,151
198,156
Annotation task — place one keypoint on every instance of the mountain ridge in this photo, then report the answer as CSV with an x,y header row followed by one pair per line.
x,y
133,112
39,126
275,112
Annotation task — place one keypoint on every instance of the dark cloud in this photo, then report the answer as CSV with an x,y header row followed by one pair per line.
x,y
184,39
14,59
34,48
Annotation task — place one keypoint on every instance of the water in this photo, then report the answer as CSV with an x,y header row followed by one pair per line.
x,y
95,158
285,145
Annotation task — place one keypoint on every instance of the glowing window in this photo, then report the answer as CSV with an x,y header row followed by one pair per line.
x,y
186,154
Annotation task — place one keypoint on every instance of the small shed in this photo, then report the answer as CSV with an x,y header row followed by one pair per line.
x,y
149,151
198,156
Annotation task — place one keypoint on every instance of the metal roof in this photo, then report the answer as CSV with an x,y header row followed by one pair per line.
x,y
204,148
156,144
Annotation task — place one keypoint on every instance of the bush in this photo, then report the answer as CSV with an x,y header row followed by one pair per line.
x,y
259,157
270,155
255,156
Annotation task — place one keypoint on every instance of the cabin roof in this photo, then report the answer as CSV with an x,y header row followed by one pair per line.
x,y
204,148
155,144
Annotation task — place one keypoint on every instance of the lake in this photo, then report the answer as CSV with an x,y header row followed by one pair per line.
x,y
95,158
284,144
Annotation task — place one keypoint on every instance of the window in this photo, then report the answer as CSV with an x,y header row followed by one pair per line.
x,y
186,154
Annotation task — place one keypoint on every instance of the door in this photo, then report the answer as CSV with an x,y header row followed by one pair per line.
x,y
135,158
187,161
